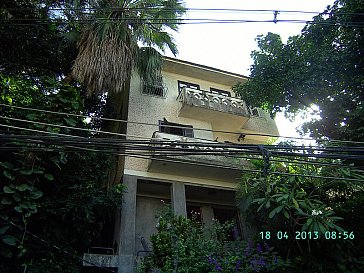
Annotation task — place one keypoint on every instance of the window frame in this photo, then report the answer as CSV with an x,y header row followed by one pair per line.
x,y
220,92
158,85
186,130
182,84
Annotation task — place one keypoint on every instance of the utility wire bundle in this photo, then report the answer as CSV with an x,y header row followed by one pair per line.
x,y
14,136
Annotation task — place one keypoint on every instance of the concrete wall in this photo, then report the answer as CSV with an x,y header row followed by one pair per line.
x,y
146,221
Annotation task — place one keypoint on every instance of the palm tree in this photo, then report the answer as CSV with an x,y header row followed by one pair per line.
x,y
123,35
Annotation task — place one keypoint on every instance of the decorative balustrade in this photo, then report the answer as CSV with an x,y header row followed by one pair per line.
x,y
202,147
208,100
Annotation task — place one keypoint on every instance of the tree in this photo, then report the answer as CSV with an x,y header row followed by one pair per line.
x,y
307,215
32,40
109,49
322,66
58,195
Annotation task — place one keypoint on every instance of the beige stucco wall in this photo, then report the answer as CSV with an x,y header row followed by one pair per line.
x,y
150,109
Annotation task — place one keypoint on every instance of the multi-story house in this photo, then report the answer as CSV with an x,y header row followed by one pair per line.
x,y
191,103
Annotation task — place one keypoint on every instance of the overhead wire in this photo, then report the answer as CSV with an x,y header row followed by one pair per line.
x,y
146,8
181,21
310,149
179,127
201,164
280,160
146,154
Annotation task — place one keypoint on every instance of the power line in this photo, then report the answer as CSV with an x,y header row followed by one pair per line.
x,y
186,8
206,21
310,150
228,167
147,153
161,21
68,127
174,126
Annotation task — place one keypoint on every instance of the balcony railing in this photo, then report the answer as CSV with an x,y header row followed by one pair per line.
x,y
204,159
208,100
203,148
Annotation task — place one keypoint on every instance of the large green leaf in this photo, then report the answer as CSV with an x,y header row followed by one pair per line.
x,y
22,187
10,240
9,190
4,229
27,171
9,175
49,176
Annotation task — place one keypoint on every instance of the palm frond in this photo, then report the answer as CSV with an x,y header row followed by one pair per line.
x,y
103,63
149,64
108,49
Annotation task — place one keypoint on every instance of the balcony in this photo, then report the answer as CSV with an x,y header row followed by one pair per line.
x,y
204,165
224,113
215,102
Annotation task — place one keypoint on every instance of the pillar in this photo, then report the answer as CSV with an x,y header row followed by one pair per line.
x,y
127,226
178,195
207,215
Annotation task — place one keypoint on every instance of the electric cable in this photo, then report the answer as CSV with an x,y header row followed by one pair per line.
x,y
294,161
180,127
229,146
147,156
188,162
68,127
186,8
179,21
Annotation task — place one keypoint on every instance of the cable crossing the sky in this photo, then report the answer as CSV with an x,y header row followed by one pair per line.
x,y
173,126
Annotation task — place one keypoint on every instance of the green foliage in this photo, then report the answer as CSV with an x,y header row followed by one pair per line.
x,y
58,195
323,66
31,41
184,245
295,204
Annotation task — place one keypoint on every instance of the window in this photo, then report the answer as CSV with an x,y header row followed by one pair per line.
x,y
220,92
182,84
157,88
194,212
179,130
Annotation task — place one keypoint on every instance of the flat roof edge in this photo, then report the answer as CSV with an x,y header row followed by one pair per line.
x,y
205,67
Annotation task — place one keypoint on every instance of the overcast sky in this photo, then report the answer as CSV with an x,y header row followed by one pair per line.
x,y
228,46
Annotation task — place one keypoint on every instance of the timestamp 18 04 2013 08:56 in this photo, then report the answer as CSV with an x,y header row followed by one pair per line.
x,y
307,235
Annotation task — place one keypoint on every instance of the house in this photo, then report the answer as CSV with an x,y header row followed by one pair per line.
x,y
191,103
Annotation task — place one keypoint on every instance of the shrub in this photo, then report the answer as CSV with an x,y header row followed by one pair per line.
x,y
184,245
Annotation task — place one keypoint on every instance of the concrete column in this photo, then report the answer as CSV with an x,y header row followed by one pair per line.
x,y
178,195
248,230
127,226
207,215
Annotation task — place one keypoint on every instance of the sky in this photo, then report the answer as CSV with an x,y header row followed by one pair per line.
x,y
228,46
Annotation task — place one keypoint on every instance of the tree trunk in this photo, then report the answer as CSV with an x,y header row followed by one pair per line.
x,y
118,103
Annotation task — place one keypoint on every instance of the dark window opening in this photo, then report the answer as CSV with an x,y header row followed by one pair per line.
x,y
182,84
176,129
220,92
223,215
103,242
194,212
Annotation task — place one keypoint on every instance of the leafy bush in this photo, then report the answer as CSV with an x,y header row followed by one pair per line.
x,y
184,245
291,198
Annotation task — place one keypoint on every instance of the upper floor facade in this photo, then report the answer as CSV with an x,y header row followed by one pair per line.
x,y
192,103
